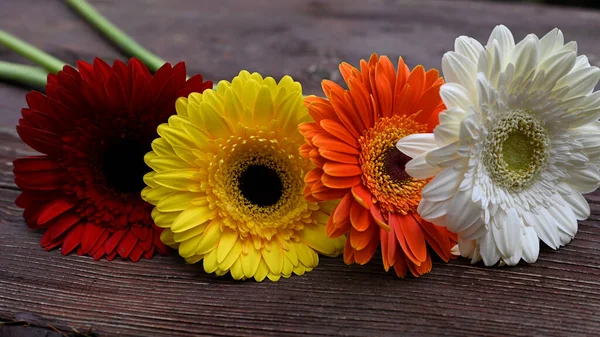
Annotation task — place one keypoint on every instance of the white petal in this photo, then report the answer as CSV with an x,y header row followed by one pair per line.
x,y
557,66
420,169
459,69
526,55
576,201
416,144
455,95
463,212
506,228
468,47
432,210
488,250
442,154
580,82
585,180
530,244
466,247
504,37
545,227
565,219
551,42
476,231
444,185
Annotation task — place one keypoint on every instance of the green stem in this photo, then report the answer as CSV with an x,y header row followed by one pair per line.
x,y
28,75
117,36
43,59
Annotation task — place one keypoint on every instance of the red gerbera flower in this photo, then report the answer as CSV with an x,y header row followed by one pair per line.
x,y
93,128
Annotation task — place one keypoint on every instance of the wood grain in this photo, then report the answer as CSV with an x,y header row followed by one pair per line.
x,y
557,296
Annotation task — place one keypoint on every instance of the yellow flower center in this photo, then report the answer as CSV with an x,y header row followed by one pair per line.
x,y
257,184
516,150
383,164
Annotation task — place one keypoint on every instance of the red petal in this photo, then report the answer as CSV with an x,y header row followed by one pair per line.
x,y
53,209
114,240
62,224
127,244
91,235
48,242
136,254
72,239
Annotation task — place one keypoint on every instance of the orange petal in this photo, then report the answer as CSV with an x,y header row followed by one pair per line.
x,y
437,238
313,175
395,223
338,156
333,144
424,268
416,79
360,217
362,195
352,122
346,70
360,240
319,108
339,131
309,130
427,104
400,267
362,100
342,210
321,192
348,253
334,230
364,255
341,170
414,237
401,77
384,91
432,76
305,150
376,214
340,182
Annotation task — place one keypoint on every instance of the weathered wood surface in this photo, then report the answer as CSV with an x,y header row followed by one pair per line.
x,y
557,296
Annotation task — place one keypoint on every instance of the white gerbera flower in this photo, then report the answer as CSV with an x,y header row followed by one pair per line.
x,y
517,146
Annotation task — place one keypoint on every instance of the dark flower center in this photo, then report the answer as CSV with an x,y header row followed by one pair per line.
x,y
122,164
261,185
394,162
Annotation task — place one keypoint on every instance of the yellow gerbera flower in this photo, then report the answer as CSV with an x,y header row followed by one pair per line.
x,y
228,181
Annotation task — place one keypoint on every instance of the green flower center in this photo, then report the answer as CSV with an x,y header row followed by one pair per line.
x,y
516,150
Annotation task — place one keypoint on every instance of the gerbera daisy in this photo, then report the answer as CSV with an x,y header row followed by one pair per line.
x,y
228,181
516,148
93,128
352,142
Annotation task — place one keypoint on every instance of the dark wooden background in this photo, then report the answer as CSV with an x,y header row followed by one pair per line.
x,y
557,296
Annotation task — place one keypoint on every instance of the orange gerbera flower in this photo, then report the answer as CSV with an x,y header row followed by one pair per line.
x,y
353,144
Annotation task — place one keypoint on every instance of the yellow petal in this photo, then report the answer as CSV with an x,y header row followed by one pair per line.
x,y
291,255
236,270
261,271
234,106
161,147
287,268
167,163
228,239
191,217
194,232
263,108
315,237
181,106
209,238
162,219
210,261
234,255
174,136
273,258
288,112
270,83
176,201
214,123
178,180
211,97
250,262
167,238
249,93
300,269
194,259
274,277
187,248
304,254
199,137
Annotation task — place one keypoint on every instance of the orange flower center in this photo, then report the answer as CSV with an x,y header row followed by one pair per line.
x,y
383,164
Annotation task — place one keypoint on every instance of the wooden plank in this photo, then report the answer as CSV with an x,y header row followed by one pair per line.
x,y
557,296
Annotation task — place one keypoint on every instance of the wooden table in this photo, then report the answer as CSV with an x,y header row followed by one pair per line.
x,y
557,296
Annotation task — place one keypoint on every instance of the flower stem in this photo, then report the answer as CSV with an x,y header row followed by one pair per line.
x,y
114,34
28,75
43,59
